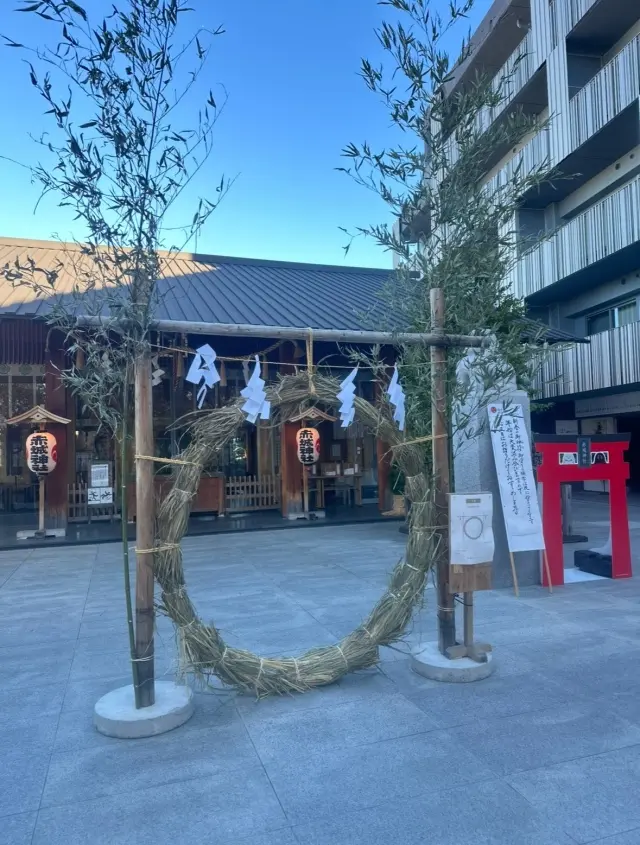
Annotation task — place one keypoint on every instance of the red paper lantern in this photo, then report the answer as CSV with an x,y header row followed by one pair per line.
x,y
308,440
42,452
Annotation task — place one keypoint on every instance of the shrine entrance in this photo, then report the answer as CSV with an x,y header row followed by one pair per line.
x,y
565,460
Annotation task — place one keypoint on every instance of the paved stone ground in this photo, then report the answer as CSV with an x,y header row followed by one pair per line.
x,y
545,752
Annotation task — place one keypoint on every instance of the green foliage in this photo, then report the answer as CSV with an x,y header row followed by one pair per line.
x,y
119,155
455,226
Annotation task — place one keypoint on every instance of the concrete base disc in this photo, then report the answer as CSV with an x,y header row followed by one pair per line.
x,y
115,713
427,661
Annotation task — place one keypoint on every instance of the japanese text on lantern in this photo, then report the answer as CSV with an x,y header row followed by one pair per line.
x,y
308,441
41,452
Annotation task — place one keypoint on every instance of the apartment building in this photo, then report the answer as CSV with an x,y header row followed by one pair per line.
x,y
578,63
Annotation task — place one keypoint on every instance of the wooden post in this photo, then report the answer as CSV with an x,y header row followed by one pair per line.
x,y
305,490
441,475
468,620
290,470
567,516
58,401
41,529
145,523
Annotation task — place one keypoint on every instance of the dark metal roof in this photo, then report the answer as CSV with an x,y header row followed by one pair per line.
x,y
217,289
532,330
239,291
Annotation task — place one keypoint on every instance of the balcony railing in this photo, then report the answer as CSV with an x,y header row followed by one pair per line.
x,y
512,77
565,14
610,91
531,158
611,359
602,230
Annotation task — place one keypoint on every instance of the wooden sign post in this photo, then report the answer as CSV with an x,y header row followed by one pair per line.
x,y
472,550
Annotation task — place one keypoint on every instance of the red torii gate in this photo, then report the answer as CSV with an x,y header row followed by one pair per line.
x,y
560,466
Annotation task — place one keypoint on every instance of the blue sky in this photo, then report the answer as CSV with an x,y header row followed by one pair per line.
x,y
295,100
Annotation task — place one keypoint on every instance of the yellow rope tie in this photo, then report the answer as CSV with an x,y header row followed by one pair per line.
x,y
425,439
415,568
446,609
142,659
156,460
346,662
261,668
224,654
165,547
367,632
184,492
295,663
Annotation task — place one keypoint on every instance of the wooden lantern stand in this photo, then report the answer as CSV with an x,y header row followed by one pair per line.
x,y
314,414
39,417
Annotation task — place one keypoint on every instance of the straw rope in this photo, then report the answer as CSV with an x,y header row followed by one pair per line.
x,y
157,460
202,648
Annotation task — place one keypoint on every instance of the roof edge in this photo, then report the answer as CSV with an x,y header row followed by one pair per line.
x,y
204,258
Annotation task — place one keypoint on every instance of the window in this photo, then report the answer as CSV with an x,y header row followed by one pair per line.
x,y
625,314
599,323
613,318
21,387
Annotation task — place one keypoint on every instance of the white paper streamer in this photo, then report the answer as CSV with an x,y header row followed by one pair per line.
x,y
256,404
156,372
397,398
203,370
345,397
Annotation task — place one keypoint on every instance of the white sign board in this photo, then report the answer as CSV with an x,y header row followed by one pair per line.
x,y
99,475
471,538
514,468
100,496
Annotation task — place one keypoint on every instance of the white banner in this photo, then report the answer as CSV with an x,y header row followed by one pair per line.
x,y
471,518
512,453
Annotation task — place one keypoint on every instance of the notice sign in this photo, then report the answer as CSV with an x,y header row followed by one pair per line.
x,y
100,496
584,452
99,475
514,468
471,518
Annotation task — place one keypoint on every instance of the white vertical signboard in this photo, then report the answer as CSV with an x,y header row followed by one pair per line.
x,y
514,468
471,523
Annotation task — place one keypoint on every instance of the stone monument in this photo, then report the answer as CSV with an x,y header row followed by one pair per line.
x,y
474,468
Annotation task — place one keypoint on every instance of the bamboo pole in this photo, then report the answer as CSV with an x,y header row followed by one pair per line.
x,y
145,530
294,333
441,474
124,525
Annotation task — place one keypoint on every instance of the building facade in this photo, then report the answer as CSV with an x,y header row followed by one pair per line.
x,y
577,64
238,306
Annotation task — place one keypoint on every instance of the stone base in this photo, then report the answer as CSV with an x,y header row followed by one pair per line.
x,y
115,713
35,534
593,562
427,661
320,514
